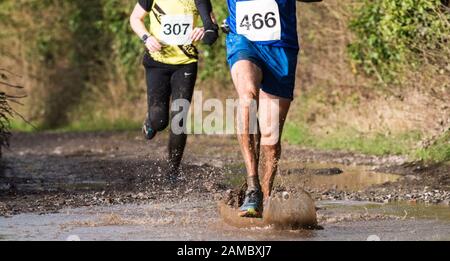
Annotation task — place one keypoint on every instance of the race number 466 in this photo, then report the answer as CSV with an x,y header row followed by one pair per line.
x,y
258,20
175,29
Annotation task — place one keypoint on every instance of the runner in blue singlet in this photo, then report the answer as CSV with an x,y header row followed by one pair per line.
x,y
262,50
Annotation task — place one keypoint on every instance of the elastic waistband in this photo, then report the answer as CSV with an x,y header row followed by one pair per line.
x,y
148,61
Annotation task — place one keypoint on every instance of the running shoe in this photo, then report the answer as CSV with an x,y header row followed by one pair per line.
x,y
147,130
252,207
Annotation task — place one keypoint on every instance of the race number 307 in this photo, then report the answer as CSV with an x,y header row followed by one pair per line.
x,y
175,29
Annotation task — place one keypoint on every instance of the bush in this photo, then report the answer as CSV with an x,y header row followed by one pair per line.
x,y
5,114
214,61
6,111
391,35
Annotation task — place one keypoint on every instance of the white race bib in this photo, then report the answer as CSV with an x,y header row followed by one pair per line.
x,y
176,29
258,20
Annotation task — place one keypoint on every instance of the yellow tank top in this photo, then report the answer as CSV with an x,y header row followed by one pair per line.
x,y
172,54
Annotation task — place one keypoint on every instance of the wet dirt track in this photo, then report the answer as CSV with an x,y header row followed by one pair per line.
x,y
112,186
197,220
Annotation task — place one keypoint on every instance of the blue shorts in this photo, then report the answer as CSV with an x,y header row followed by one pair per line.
x,y
278,64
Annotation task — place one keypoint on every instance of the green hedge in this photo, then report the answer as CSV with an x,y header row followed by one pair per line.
x,y
392,34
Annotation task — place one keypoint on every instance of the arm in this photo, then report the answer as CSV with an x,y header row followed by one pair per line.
x,y
138,26
205,9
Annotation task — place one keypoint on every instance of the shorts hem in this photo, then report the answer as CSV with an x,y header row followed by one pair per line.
x,y
277,94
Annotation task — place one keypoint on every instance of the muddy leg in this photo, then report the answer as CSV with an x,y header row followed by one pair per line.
x,y
270,160
273,112
158,98
247,78
177,144
182,84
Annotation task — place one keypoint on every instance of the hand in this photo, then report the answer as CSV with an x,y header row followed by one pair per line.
x,y
197,34
211,34
153,45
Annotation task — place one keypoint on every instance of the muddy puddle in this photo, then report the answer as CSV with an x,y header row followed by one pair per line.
x,y
332,176
320,176
198,220
44,193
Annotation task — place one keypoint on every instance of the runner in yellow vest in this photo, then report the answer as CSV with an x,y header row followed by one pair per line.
x,y
171,63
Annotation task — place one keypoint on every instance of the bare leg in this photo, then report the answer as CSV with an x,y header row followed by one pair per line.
x,y
247,78
271,128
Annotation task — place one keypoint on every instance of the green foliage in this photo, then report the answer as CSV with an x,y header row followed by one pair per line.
x,y
351,140
214,64
439,151
5,125
101,124
126,47
393,33
376,144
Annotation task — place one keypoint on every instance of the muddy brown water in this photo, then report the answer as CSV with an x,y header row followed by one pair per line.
x,y
291,212
62,165
198,220
314,175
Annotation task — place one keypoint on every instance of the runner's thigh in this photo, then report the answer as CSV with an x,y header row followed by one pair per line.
x,y
159,91
247,78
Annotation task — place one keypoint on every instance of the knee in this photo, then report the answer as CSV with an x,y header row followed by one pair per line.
x,y
247,89
159,119
270,140
270,135
248,97
159,124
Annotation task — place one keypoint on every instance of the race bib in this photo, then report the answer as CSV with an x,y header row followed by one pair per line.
x,y
176,29
258,20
